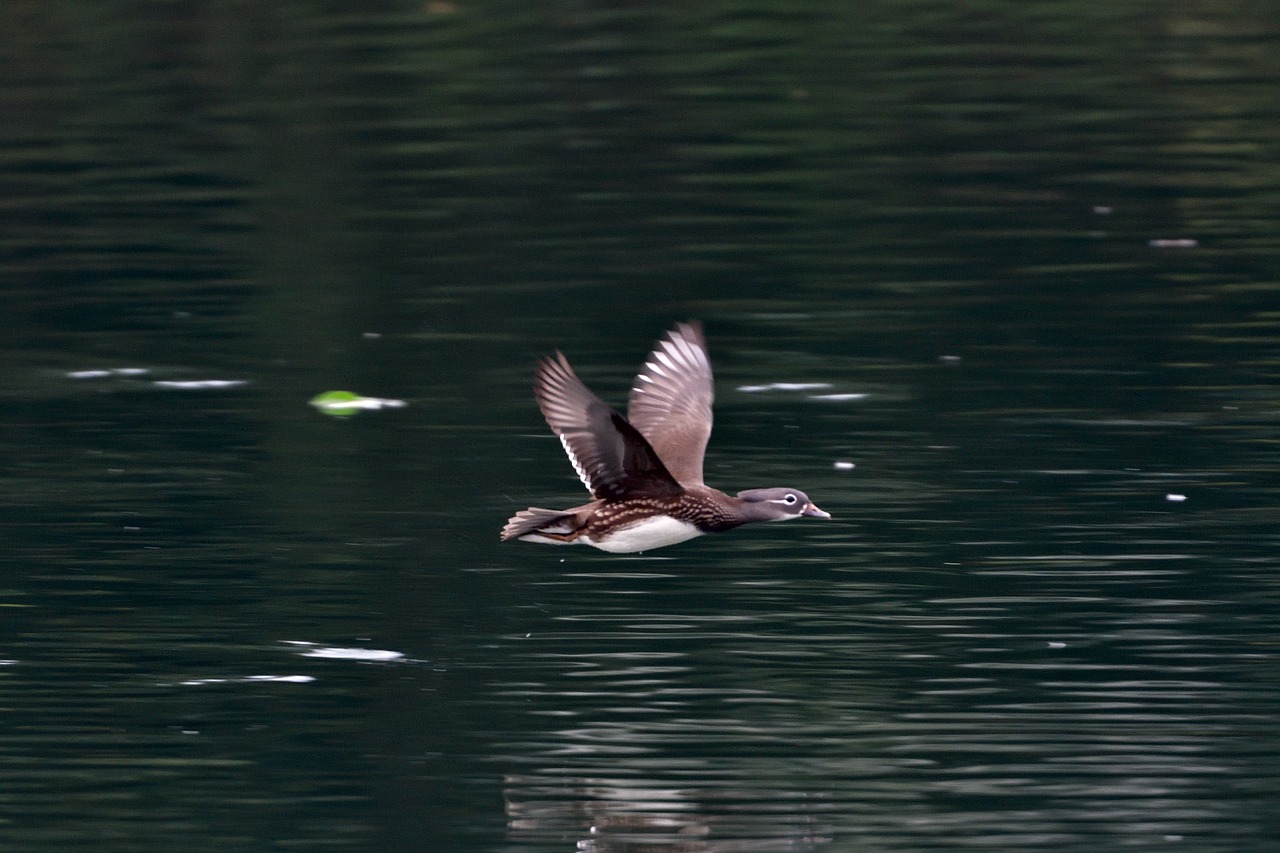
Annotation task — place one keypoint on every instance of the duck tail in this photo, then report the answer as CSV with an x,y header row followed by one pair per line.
x,y
550,522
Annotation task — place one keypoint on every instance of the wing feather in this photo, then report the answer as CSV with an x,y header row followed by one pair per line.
x,y
611,458
671,401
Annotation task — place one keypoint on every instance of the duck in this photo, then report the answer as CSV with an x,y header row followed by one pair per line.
x,y
644,471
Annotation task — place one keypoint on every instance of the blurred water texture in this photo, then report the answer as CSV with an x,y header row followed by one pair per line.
x,y
994,283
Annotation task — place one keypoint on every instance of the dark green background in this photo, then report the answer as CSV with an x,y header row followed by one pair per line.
x,y
1007,639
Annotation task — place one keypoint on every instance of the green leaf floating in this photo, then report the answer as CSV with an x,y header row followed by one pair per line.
x,y
344,404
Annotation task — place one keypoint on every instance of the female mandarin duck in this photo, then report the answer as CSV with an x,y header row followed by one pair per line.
x,y
644,471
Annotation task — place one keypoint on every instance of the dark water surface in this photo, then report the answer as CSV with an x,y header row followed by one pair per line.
x,y
994,283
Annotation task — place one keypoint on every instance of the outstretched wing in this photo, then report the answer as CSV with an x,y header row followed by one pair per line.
x,y
671,401
612,458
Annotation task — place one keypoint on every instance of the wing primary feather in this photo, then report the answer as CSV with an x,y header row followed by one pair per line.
x,y
611,458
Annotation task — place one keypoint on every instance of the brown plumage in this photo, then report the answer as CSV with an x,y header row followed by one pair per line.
x,y
644,471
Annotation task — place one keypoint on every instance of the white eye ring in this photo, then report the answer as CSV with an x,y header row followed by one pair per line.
x,y
789,500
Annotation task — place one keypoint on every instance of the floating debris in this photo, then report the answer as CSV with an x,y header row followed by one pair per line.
x,y
1173,243
1175,498
365,655
128,373
107,372
784,386
199,384
838,398
313,650
288,679
844,466
342,404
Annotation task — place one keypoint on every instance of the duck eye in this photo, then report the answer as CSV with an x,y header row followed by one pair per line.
x,y
790,499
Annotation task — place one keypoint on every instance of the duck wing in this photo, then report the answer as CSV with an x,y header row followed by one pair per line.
x,y
671,401
611,457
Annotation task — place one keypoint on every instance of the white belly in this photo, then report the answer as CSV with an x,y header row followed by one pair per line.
x,y
646,535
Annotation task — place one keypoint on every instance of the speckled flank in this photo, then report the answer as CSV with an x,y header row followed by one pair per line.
x,y
644,471
655,531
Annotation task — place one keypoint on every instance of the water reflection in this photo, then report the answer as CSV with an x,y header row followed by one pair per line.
x,y
779,705
610,815
1021,255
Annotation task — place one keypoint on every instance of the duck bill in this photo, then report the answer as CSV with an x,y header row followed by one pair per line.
x,y
813,512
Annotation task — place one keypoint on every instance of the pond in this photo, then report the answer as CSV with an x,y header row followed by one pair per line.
x,y
994,284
